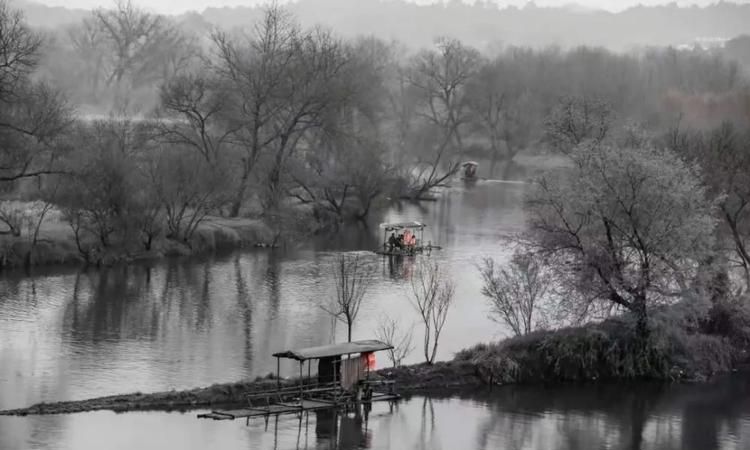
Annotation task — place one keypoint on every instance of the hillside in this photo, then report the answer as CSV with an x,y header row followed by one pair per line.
x,y
480,24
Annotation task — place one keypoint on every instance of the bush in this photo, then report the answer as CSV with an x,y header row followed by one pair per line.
x,y
674,349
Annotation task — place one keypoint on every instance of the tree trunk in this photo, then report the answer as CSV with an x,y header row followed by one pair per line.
x,y
234,210
641,317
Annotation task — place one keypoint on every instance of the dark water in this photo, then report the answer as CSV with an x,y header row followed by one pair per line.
x,y
185,323
626,417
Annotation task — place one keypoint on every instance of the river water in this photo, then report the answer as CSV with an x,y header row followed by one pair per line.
x,y
617,417
176,324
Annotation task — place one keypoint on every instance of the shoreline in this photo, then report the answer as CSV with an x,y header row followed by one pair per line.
x,y
444,377
593,353
410,380
56,247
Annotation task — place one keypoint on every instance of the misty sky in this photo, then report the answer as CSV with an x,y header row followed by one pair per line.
x,y
178,6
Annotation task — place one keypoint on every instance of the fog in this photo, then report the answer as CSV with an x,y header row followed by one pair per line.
x,y
621,250
176,6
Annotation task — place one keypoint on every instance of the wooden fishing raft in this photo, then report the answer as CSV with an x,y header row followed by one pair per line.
x,y
343,380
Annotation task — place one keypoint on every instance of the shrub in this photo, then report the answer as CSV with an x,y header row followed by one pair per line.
x,y
674,349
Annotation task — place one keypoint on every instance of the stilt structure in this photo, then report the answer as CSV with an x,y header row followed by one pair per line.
x,y
343,380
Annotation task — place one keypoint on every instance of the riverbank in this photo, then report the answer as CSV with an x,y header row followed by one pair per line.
x,y
681,347
56,244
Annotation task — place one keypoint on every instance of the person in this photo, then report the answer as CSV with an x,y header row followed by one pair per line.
x,y
407,238
392,242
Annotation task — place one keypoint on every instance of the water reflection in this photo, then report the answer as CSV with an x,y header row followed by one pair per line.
x,y
182,323
630,416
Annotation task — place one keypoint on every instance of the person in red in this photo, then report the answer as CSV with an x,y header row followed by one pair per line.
x,y
407,238
369,360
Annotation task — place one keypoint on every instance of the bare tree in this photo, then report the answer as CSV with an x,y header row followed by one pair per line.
x,y
500,108
19,51
87,39
624,226
288,80
578,119
32,115
389,331
187,187
139,44
724,156
352,276
432,297
516,293
200,103
440,76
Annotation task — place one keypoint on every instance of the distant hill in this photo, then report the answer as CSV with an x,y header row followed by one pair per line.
x,y
43,16
480,24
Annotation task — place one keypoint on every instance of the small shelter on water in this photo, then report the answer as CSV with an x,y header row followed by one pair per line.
x,y
332,367
343,379
470,170
404,239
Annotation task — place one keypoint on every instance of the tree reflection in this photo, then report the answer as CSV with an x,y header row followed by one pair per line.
x,y
342,430
624,416
427,437
245,306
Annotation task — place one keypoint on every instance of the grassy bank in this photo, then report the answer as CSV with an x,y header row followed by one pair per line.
x,y
683,344
56,243
681,347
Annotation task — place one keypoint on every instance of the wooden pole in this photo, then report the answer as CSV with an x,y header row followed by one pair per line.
x,y
300,382
278,373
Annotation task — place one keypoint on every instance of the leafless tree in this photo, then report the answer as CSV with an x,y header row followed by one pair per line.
x,y
432,297
440,77
89,46
139,44
187,187
200,104
389,331
288,79
516,293
724,155
625,226
352,276
500,108
577,119
19,51
32,115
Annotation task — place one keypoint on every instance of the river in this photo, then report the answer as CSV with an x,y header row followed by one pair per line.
x,y
640,416
183,323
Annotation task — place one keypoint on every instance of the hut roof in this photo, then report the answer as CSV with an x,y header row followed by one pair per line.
x,y
401,225
325,351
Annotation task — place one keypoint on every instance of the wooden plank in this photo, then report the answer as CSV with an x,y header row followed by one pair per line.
x,y
314,404
215,416
283,408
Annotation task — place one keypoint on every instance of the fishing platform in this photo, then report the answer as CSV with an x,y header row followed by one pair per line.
x,y
343,380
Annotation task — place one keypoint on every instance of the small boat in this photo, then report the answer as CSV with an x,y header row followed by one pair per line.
x,y
470,171
408,243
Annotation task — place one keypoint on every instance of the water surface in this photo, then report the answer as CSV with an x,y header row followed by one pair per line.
x,y
179,324
616,417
